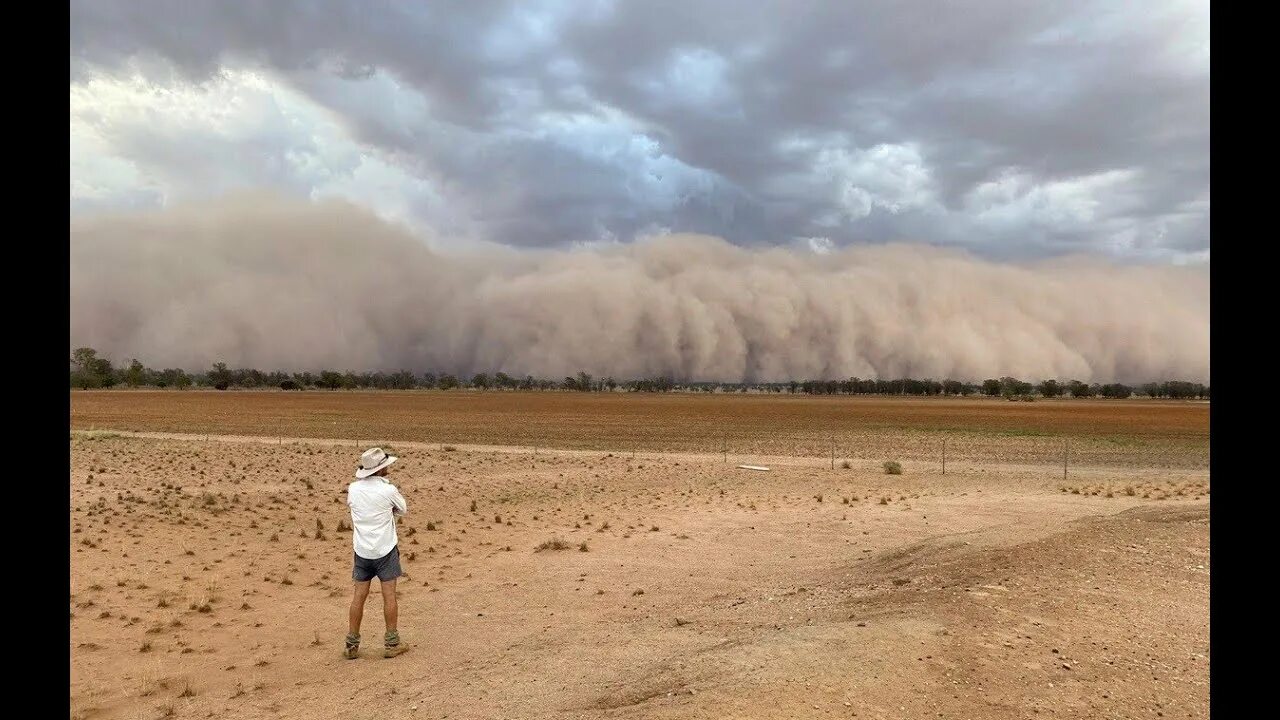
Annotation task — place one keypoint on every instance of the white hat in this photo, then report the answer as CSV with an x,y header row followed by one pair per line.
x,y
373,460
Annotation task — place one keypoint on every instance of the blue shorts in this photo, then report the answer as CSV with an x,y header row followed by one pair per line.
x,y
386,568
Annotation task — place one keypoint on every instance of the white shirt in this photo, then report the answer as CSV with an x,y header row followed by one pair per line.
x,y
374,504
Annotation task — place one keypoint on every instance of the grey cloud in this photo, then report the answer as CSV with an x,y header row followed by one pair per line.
x,y
1053,92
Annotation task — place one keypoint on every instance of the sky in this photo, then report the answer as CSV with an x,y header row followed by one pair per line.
x,y
1014,131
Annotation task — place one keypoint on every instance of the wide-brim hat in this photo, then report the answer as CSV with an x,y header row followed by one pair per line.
x,y
373,460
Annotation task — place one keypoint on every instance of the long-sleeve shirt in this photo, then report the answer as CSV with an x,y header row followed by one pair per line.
x,y
374,504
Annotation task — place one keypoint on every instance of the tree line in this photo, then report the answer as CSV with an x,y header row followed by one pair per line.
x,y
89,370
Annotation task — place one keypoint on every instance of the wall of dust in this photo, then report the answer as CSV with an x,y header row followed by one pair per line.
x,y
267,282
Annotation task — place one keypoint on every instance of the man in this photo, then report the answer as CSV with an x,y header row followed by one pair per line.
x,y
375,503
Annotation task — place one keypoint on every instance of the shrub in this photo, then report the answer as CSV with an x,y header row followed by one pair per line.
x,y
553,544
892,467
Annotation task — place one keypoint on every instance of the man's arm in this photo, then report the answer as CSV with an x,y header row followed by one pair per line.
x,y
398,505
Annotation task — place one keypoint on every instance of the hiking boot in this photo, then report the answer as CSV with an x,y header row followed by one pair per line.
x,y
352,650
393,646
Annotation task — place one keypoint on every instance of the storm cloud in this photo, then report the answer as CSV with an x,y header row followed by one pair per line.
x,y
1013,130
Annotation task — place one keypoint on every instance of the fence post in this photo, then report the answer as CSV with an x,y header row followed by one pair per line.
x,y
944,456
833,452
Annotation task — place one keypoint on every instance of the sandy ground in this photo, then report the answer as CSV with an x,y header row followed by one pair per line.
x,y
202,587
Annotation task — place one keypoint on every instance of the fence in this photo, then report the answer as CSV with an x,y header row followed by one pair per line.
x,y
920,452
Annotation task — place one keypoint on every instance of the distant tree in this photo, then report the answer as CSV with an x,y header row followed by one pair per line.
x,y
249,378
1079,389
174,377
373,380
89,370
135,374
990,387
952,387
1181,389
1116,391
1013,387
447,382
402,380
329,380
290,384
480,380
220,375
503,381
584,381
429,380
1050,388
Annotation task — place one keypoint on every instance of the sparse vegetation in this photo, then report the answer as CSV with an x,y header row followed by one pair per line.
x,y
892,467
555,543
750,538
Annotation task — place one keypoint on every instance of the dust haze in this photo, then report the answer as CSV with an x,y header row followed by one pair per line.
x,y
274,283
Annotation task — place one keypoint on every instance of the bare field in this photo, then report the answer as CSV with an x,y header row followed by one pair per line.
x,y
1133,433
209,578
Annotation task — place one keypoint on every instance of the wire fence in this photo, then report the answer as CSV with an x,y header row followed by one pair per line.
x,y
918,452
936,451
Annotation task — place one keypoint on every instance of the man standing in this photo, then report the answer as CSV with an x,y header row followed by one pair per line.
x,y
375,503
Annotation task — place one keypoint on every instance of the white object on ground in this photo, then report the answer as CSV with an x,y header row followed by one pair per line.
x,y
753,467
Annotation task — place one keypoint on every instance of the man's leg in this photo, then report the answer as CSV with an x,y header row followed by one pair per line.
x,y
355,616
357,606
389,611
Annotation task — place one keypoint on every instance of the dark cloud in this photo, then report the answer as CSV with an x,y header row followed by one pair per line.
x,y
1014,129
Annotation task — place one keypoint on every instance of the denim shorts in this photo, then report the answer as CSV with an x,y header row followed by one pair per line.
x,y
386,568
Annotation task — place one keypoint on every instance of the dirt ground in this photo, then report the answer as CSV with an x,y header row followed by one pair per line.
x,y
208,579
1134,433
